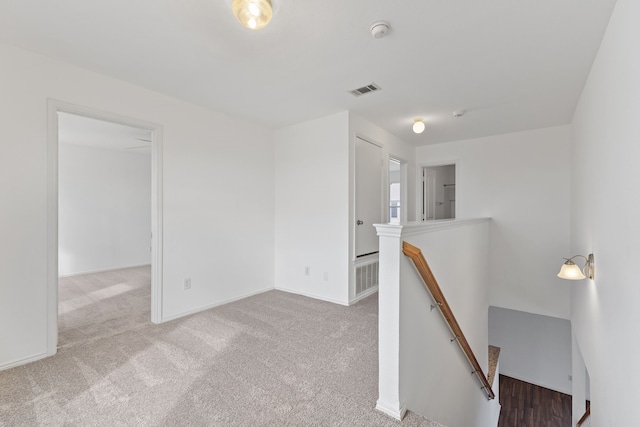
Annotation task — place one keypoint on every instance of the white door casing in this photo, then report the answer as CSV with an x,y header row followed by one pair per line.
x,y
54,107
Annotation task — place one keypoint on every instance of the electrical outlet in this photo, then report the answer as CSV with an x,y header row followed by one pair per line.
x,y
570,377
187,283
307,271
326,276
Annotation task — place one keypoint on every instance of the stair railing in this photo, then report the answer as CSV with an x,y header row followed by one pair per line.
x,y
415,254
586,417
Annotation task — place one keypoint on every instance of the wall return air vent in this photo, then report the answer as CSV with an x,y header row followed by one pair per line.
x,y
366,277
365,89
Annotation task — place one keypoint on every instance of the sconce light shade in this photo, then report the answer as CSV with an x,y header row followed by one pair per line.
x,y
253,14
570,271
418,126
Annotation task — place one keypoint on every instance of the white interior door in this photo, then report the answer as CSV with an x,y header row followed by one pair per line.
x,y
368,206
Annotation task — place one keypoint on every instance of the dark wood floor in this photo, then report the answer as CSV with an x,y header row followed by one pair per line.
x,y
527,405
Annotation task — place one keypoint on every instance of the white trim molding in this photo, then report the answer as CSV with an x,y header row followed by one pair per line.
x,y
397,412
103,270
24,361
310,295
215,304
398,230
363,295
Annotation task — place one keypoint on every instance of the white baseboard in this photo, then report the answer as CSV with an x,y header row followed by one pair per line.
x,y
215,304
21,362
397,413
102,270
310,295
364,295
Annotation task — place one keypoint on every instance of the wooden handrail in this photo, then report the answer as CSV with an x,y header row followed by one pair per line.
x,y
584,417
436,293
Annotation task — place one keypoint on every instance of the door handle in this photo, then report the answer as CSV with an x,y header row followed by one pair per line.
x,y
359,222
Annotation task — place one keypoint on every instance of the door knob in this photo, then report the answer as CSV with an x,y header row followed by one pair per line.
x,y
359,222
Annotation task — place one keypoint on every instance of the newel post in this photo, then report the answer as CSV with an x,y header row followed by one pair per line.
x,y
389,398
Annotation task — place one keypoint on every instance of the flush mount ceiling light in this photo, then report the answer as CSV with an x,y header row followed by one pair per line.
x,y
253,14
570,271
418,126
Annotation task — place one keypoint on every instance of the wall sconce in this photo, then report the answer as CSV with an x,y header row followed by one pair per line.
x,y
571,271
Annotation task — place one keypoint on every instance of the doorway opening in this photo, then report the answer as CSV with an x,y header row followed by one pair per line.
x,y
438,192
397,191
105,233
395,206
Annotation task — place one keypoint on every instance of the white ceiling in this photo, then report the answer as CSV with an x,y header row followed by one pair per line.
x,y
88,132
511,64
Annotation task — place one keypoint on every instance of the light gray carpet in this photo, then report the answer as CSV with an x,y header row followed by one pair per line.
x,y
99,305
274,359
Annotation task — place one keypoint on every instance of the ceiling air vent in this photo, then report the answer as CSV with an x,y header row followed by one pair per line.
x,y
365,89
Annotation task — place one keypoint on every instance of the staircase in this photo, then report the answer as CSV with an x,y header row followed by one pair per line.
x,y
441,303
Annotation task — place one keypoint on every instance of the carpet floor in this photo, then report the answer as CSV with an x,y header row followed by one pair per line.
x,y
274,359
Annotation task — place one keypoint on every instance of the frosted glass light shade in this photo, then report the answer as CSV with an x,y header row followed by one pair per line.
x,y
571,271
418,126
253,14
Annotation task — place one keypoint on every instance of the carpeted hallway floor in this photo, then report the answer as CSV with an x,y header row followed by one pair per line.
x,y
274,359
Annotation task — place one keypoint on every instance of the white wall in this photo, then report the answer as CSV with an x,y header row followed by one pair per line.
x,y
520,180
315,196
604,211
104,210
580,387
391,147
312,208
534,348
218,211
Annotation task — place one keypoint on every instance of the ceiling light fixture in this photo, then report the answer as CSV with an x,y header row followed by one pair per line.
x,y
253,14
418,126
570,271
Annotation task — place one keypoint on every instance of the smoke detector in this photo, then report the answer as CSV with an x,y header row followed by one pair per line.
x,y
458,113
379,29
